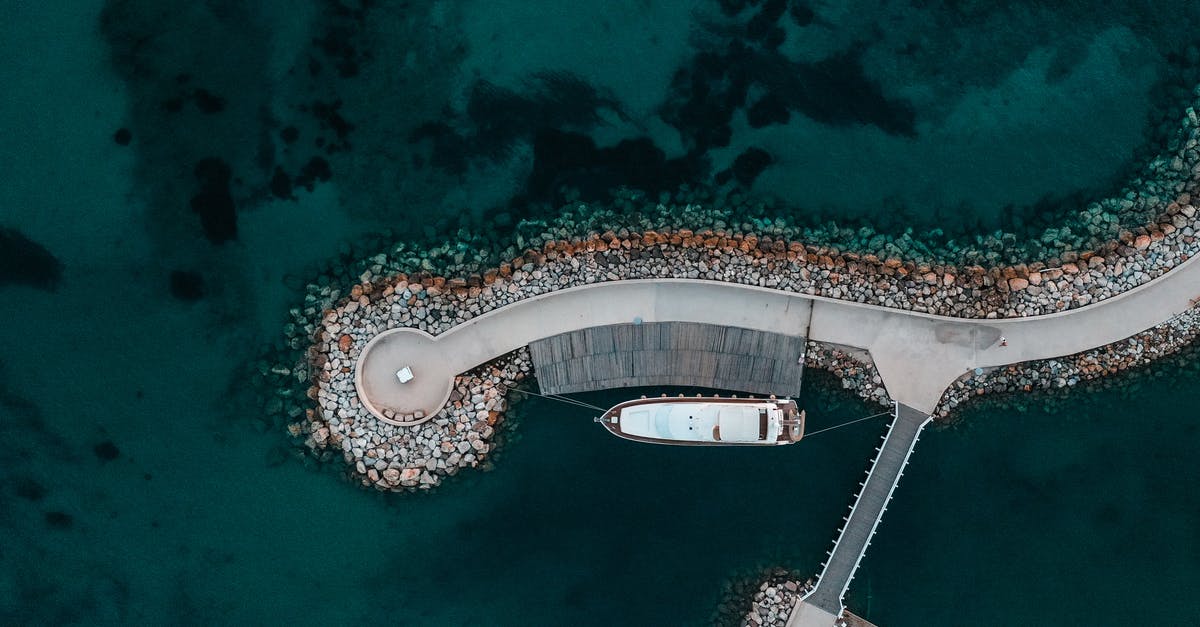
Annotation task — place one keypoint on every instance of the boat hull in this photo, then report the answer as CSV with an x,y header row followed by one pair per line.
x,y
699,421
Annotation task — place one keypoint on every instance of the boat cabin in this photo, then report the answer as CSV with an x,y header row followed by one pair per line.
x,y
714,421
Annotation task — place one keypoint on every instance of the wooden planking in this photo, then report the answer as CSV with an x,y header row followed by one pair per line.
x,y
669,354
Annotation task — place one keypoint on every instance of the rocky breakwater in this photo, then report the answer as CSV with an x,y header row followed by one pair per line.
x,y
398,458
1068,371
852,366
772,604
759,598
401,289
435,304
857,373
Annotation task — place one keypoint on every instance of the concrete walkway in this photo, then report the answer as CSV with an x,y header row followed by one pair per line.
x,y
917,355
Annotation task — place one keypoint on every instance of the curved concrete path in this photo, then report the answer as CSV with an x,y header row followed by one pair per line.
x,y
918,355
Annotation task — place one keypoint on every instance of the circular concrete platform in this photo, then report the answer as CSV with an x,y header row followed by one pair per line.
x,y
380,390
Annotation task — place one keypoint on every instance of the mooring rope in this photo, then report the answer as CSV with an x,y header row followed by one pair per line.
x,y
809,435
563,399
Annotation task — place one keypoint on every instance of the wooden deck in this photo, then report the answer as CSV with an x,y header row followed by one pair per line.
x,y
669,354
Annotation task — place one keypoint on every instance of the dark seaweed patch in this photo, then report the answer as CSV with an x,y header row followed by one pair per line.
x,y
214,202
801,14
207,101
770,109
281,184
123,136
173,105
745,168
29,489
106,451
763,23
59,520
835,91
572,160
329,116
315,171
26,262
186,285
343,23
498,117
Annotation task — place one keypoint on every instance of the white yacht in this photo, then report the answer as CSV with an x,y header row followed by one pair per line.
x,y
707,421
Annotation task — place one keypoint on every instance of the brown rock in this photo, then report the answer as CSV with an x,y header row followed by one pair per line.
x,y
1017,284
345,342
893,263
1035,278
1142,242
1070,268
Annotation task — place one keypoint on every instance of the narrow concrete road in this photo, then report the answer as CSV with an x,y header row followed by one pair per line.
x,y
918,355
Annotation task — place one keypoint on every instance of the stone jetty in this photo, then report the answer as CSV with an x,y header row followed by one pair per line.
x,y
391,457
435,304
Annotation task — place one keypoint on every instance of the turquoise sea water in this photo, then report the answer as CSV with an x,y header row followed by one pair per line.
x,y
137,490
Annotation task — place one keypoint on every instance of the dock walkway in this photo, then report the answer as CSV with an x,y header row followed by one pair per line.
x,y
869,505
918,355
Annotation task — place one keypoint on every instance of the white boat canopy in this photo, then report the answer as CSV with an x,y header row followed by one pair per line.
x,y
738,423
702,422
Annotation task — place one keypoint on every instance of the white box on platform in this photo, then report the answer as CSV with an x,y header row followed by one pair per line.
x,y
404,374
